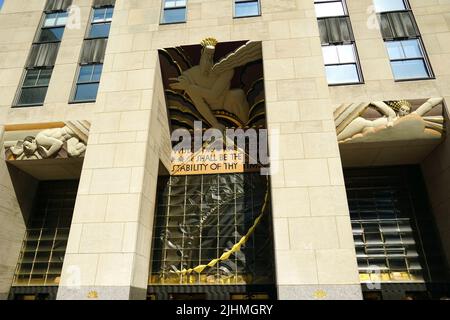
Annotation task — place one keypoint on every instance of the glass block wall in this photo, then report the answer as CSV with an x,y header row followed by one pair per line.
x,y
213,229
396,240
44,246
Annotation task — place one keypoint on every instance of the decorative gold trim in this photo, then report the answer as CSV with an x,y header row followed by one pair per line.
x,y
397,105
252,86
180,71
209,42
183,56
255,116
255,105
33,126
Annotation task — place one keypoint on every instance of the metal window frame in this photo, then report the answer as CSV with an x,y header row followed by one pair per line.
x,y
92,23
424,58
357,63
403,49
345,83
19,90
164,9
42,27
405,2
258,2
57,17
344,6
76,83
37,35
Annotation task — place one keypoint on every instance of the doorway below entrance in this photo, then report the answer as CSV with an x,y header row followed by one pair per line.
x,y
396,240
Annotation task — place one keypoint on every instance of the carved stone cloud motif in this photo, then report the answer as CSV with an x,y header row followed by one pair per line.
x,y
46,141
390,121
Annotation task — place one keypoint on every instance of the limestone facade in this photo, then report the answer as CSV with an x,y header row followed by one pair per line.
x,y
110,237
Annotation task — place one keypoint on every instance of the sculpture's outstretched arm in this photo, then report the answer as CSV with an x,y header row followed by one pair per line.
x,y
385,109
427,106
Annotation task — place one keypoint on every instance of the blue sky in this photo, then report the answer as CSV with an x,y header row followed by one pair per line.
x,y
1,3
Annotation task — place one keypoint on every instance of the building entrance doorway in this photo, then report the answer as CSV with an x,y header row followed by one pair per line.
x,y
396,240
212,236
43,250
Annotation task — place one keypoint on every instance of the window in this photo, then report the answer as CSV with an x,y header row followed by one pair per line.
x,y
53,27
93,53
327,8
34,88
43,53
174,11
394,239
338,44
341,64
403,40
246,8
407,59
88,82
389,5
101,23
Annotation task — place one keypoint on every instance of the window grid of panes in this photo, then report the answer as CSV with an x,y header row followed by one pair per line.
x,y
199,218
41,257
35,85
44,245
407,59
385,246
390,5
53,27
407,55
101,23
340,59
330,8
246,8
88,82
341,64
174,11
88,76
36,79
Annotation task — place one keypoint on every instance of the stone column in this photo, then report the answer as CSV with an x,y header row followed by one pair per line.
x,y
436,171
108,252
12,226
314,249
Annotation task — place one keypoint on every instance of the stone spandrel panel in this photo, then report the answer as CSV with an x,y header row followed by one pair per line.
x,y
389,132
58,140
383,121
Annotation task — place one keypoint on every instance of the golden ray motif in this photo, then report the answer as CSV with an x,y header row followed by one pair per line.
x,y
209,42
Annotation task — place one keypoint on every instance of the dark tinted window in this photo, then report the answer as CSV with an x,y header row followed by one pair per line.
x,y
34,88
